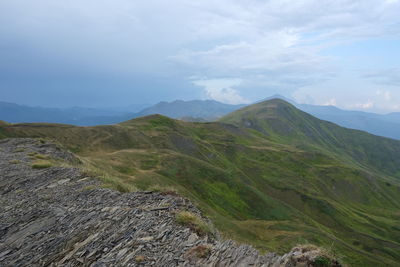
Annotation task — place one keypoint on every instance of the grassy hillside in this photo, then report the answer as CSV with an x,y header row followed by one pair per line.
x,y
283,123
268,174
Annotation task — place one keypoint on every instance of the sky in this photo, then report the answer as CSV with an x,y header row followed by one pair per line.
x,y
103,53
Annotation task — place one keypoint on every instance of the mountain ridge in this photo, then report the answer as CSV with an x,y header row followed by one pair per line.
x,y
270,187
288,120
387,125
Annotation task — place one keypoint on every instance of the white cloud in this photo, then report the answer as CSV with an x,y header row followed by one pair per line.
x,y
387,95
222,90
208,36
330,102
366,105
278,44
372,97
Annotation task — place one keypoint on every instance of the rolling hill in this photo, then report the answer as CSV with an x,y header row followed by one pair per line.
x,y
267,174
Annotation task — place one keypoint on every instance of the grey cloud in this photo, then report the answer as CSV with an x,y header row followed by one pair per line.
x,y
273,44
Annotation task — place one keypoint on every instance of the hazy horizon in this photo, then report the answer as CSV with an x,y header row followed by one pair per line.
x,y
121,53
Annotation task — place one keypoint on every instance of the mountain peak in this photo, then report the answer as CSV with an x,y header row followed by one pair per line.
x,y
275,101
278,96
267,109
280,119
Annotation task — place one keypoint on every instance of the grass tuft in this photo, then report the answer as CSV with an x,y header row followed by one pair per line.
x,y
36,155
41,156
41,164
194,222
165,190
117,184
108,181
89,188
139,259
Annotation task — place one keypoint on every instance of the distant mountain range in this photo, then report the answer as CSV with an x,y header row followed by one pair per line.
x,y
205,109
14,113
387,125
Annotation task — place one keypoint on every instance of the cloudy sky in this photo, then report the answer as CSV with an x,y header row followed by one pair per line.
x,y
121,52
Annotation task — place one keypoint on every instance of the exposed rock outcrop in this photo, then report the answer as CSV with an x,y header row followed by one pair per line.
x,y
57,216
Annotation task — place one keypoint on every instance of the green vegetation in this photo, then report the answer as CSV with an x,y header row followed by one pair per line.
x,y
168,190
36,155
193,221
15,161
310,255
41,164
89,188
108,181
322,261
268,174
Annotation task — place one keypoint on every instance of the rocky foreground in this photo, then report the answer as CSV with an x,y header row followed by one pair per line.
x,y
52,215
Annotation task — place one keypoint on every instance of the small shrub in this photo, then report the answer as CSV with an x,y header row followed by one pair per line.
x,y
194,222
322,261
20,149
15,161
311,255
201,251
41,164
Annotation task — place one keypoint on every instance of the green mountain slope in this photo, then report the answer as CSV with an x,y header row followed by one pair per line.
x,y
283,123
268,174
